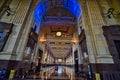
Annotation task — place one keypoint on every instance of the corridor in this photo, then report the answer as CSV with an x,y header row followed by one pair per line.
x,y
54,73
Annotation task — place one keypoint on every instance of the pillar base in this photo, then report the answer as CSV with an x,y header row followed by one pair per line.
x,y
107,71
104,59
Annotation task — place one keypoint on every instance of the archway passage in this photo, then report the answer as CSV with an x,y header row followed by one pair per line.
x,y
56,23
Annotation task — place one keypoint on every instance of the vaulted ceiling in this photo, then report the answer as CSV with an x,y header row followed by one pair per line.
x,y
58,16
52,6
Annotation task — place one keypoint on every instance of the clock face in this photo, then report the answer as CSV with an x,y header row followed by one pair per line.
x,y
58,33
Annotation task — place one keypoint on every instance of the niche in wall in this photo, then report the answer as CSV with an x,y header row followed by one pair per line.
x,y
32,40
5,30
112,35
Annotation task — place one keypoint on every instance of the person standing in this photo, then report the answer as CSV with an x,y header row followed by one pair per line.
x,y
12,74
3,73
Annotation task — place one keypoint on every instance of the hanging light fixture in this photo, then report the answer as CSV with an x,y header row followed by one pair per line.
x,y
58,33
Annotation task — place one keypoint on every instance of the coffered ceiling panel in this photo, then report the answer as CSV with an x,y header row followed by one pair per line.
x,y
60,48
51,29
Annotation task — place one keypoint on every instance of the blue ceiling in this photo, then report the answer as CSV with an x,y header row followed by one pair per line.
x,y
43,6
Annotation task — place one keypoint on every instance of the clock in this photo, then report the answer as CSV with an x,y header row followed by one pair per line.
x,y
58,33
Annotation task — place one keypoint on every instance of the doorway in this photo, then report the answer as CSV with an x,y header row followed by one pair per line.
x,y
38,66
76,62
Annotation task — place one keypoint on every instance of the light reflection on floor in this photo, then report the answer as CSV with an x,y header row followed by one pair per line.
x,y
54,73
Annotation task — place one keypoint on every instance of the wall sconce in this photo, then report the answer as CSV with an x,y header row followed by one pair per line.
x,y
8,10
58,33
111,11
42,39
74,41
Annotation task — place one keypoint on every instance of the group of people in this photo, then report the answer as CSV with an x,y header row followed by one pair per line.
x,y
7,74
10,74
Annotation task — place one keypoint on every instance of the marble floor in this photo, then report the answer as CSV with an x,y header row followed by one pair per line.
x,y
61,73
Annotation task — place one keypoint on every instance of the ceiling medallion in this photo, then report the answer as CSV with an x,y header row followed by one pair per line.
x,y
58,33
